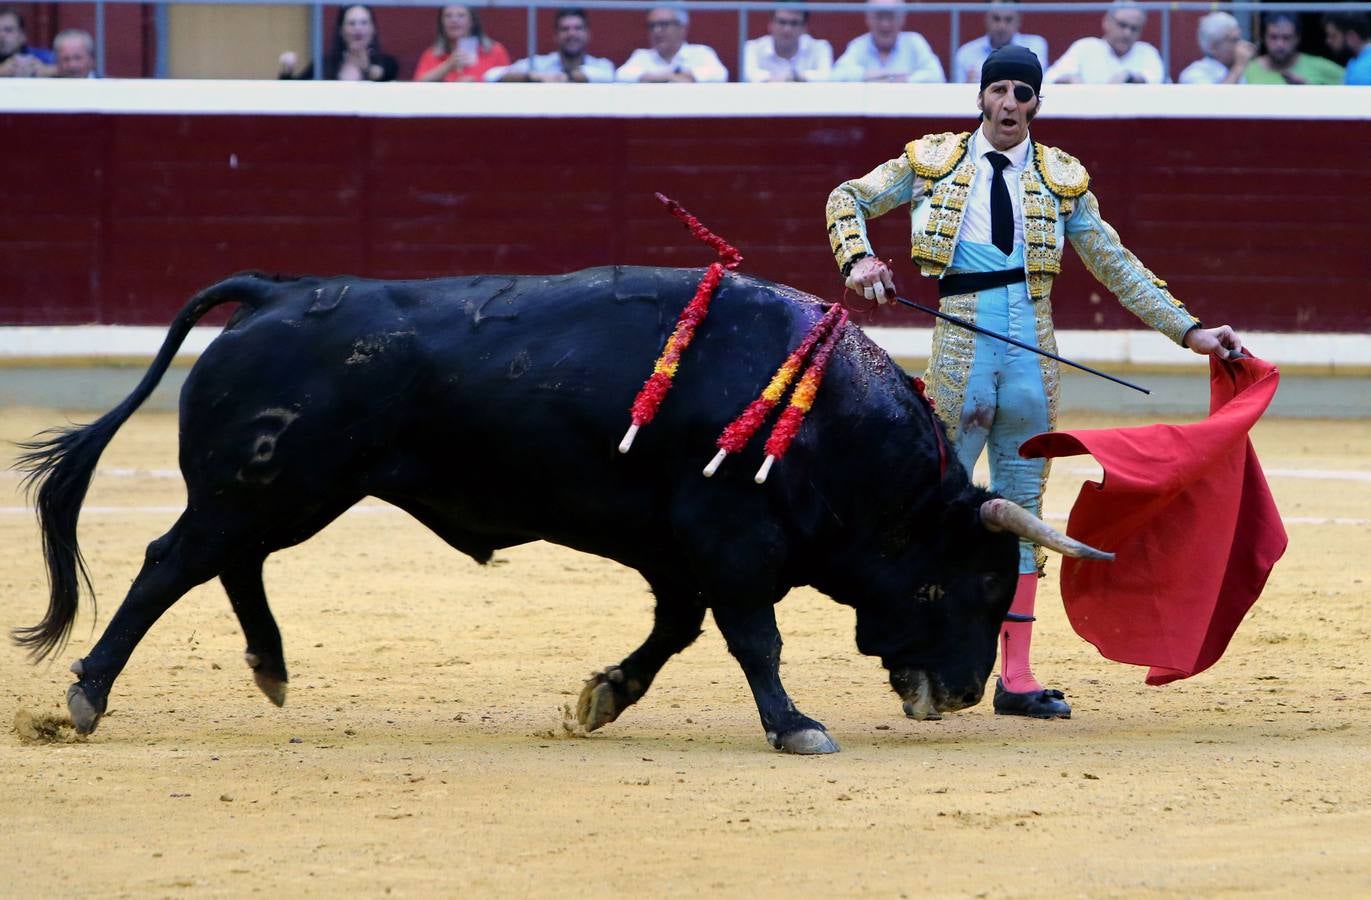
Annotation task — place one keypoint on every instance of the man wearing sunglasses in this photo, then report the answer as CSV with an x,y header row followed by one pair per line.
x,y
1117,57
671,58
992,210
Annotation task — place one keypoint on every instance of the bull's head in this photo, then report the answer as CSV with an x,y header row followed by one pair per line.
x,y
940,645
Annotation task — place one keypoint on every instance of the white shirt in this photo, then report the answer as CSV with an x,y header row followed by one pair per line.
x,y
813,60
1205,71
597,68
976,217
1094,62
971,55
702,62
911,56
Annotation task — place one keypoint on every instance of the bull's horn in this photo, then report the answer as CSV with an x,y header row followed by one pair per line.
x,y
1004,515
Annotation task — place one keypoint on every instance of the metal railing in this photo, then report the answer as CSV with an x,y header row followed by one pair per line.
x,y
743,8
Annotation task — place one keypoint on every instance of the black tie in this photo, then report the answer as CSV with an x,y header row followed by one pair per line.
x,y
1001,210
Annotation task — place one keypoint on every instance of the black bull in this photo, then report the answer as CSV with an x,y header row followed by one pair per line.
x,y
489,408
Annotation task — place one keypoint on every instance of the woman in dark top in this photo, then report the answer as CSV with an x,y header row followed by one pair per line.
x,y
355,54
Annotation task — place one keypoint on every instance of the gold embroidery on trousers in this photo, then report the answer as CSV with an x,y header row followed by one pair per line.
x,y
1051,376
949,363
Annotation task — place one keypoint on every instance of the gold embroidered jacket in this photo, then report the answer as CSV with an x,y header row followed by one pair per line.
x,y
934,175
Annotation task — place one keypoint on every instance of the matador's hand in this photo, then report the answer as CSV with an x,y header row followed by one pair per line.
x,y
1222,342
872,279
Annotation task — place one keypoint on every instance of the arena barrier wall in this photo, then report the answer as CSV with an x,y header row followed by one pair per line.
x,y
124,197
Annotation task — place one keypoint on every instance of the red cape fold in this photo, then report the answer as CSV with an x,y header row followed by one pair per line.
x,y
1187,510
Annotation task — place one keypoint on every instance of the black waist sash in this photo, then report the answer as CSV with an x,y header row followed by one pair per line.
x,y
971,282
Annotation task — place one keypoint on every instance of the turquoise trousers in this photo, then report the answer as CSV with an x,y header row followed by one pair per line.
x,y
993,396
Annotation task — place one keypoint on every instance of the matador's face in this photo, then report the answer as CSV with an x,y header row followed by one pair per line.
x,y
1007,107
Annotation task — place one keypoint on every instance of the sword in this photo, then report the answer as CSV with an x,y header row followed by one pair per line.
x,y
971,326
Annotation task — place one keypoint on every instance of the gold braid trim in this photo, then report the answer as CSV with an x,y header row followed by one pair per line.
x,y
1042,255
932,250
1062,172
934,155
852,203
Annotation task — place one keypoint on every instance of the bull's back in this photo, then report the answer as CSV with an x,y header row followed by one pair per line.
x,y
528,389
531,358
499,398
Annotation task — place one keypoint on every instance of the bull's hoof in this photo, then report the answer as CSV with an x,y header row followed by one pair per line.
x,y
273,687
804,741
921,711
273,684
598,704
84,715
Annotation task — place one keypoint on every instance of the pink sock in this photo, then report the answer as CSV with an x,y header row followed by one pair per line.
x,y
1015,639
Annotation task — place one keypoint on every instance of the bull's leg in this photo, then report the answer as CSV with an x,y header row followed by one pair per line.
x,y
754,641
608,693
175,563
264,653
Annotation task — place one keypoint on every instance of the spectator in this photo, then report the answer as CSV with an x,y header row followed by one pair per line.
x,y
355,53
1226,54
787,52
569,62
1283,63
1001,28
17,58
1117,58
1349,37
74,50
670,58
885,53
462,52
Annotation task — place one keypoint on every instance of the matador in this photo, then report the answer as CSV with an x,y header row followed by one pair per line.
x,y
992,210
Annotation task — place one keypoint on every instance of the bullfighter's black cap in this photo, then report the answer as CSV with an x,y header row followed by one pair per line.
x,y
1014,63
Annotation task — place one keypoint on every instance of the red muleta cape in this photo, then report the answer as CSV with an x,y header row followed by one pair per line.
x,y
1187,510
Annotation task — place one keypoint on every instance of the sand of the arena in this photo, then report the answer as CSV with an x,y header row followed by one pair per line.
x,y
422,751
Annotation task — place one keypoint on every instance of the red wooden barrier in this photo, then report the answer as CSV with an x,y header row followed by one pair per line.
x,y
119,218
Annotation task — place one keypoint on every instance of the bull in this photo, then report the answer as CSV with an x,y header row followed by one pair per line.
x,y
489,409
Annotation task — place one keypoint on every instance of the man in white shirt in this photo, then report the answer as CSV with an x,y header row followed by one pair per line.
x,y
885,53
1226,54
1001,28
570,62
74,50
787,52
1117,58
670,58
991,212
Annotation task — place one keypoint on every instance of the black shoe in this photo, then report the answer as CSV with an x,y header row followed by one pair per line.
x,y
1044,704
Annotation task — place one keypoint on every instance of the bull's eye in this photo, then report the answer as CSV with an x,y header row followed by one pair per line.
x,y
929,593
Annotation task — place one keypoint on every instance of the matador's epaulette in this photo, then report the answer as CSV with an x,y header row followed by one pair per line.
x,y
934,155
1062,172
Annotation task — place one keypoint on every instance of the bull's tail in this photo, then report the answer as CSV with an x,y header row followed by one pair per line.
x,y
58,465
